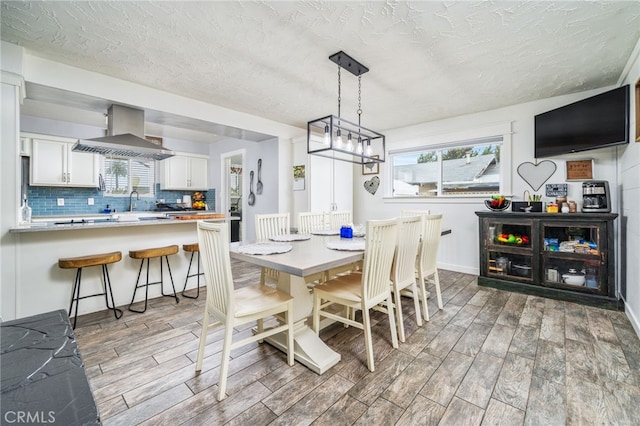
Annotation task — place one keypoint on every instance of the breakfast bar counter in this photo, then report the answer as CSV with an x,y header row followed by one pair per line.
x,y
41,286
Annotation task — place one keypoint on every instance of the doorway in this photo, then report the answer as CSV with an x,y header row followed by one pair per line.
x,y
232,167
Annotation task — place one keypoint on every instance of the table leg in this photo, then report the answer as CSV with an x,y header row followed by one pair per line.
x,y
309,350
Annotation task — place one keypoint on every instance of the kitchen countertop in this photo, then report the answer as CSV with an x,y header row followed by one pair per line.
x,y
94,222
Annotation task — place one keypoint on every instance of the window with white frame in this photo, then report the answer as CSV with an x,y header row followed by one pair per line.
x,y
473,167
124,175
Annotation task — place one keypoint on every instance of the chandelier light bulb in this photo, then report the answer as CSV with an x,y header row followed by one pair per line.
x,y
350,144
339,139
368,150
359,147
327,137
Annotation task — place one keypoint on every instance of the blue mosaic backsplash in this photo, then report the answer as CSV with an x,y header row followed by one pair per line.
x,y
43,200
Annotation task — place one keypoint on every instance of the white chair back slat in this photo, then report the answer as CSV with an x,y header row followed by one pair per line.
x,y
268,225
430,242
312,221
340,218
378,258
404,266
214,253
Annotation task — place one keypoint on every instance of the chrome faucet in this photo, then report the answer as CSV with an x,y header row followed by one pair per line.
x,y
131,202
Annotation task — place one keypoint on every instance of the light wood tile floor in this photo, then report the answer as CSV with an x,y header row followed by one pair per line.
x,y
489,358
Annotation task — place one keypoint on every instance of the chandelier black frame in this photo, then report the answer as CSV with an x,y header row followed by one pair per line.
x,y
326,136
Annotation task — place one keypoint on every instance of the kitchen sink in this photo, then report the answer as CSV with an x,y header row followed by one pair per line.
x,y
135,217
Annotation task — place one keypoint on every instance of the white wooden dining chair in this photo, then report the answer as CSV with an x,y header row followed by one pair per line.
x,y
363,290
312,221
427,264
268,225
229,307
403,273
340,218
405,213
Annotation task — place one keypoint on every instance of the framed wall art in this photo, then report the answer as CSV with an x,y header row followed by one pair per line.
x,y
371,168
298,178
580,170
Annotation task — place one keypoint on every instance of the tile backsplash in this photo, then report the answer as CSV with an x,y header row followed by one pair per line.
x,y
44,200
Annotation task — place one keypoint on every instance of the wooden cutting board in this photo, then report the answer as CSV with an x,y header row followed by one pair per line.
x,y
200,216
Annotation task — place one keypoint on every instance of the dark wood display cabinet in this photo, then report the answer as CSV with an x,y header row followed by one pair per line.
x,y
566,256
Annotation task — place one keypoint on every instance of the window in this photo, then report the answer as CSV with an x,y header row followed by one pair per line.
x,y
125,175
471,167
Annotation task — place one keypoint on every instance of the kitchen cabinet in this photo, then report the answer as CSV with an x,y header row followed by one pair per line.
x,y
53,163
185,171
562,256
330,184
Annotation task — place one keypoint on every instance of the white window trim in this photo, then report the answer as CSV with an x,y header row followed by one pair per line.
x,y
427,142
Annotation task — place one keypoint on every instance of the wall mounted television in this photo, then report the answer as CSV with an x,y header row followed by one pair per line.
x,y
596,122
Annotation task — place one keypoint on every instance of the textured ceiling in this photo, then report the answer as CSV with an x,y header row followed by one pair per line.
x,y
427,60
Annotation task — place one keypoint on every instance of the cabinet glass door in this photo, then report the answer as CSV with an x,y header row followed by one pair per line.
x,y
574,257
509,254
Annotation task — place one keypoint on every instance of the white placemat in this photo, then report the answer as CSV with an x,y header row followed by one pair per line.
x,y
290,237
346,244
326,232
265,248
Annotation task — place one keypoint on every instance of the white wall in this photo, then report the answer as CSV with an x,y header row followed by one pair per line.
x,y
11,86
629,190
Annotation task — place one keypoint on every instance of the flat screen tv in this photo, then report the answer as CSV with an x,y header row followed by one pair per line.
x,y
596,122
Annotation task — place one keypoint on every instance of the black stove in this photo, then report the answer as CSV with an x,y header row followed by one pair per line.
x,y
162,207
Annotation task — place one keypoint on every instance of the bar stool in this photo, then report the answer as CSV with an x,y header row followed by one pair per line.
x,y
148,254
194,248
85,262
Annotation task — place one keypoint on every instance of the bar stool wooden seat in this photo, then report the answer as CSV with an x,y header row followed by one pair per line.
x,y
78,263
193,248
148,254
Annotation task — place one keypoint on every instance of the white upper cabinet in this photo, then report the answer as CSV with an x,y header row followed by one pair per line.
x,y
53,163
185,171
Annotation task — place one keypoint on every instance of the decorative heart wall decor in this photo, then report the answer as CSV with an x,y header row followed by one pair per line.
x,y
536,174
372,185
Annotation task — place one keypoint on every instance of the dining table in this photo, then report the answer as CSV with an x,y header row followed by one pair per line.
x,y
306,258
297,266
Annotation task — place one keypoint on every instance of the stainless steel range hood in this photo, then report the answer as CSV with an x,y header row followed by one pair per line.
x,y
125,127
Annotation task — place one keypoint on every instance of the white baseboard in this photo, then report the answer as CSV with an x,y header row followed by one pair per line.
x,y
458,268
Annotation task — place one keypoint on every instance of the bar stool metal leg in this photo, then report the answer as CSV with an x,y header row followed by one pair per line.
x,y
107,284
147,284
189,275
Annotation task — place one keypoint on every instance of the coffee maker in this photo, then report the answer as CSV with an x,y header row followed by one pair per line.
x,y
595,196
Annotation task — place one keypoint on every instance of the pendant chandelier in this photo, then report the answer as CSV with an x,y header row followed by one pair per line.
x,y
334,137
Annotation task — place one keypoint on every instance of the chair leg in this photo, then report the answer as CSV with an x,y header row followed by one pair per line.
x,y
423,296
224,365
366,323
203,340
436,280
416,303
392,322
399,318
